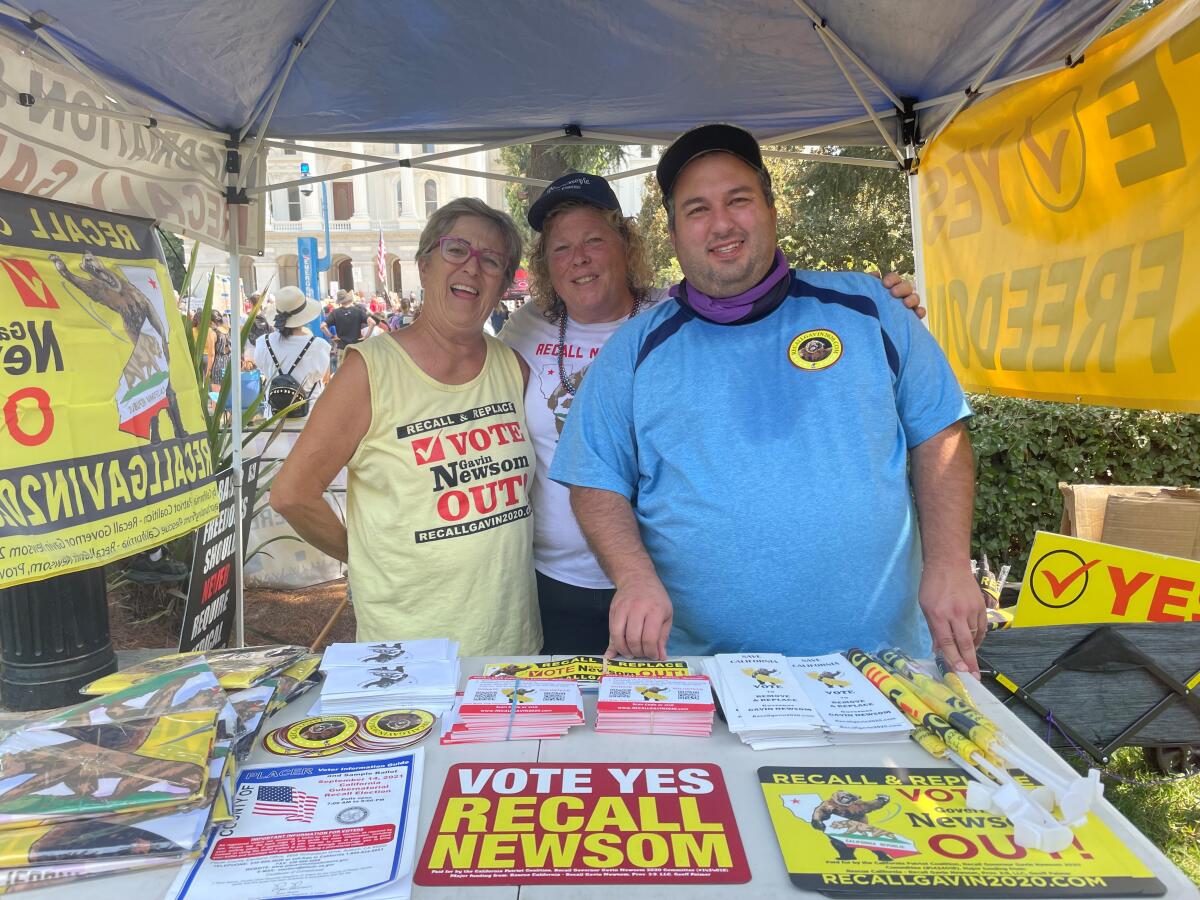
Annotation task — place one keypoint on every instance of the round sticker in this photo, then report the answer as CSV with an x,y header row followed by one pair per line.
x,y
275,743
320,732
812,350
398,724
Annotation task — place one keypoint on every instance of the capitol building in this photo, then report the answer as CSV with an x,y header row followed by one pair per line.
x,y
396,202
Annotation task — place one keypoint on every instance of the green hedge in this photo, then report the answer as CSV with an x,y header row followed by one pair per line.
x,y
1024,448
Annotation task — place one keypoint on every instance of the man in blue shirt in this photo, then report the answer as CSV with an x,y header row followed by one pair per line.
x,y
744,459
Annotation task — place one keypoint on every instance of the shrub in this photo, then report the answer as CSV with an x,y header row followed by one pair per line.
x,y
1023,448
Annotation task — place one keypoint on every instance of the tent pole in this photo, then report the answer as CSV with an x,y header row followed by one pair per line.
x,y
872,76
837,60
1076,55
972,90
631,173
428,157
298,46
491,176
914,211
416,162
232,207
828,158
111,93
791,137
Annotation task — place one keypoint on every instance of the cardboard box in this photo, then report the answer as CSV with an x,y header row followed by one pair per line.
x,y
1156,519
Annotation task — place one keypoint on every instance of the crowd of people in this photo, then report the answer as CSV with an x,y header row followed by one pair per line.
x,y
760,458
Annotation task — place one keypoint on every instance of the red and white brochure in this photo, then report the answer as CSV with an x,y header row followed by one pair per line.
x,y
512,709
631,704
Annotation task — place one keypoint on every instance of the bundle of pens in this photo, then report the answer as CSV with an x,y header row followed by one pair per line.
x,y
948,725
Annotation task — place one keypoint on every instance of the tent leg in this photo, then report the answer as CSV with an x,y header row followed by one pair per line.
x,y
235,385
914,211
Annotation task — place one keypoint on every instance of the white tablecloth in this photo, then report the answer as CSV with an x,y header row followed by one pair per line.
x,y
738,763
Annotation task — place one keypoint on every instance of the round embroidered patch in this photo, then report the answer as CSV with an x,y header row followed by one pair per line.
x,y
818,349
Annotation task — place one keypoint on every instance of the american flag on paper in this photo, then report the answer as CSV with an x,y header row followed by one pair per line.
x,y
381,261
280,800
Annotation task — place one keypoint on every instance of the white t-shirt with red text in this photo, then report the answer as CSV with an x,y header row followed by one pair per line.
x,y
559,548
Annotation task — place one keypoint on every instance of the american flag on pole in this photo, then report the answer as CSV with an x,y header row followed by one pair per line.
x,y
381,262
280,800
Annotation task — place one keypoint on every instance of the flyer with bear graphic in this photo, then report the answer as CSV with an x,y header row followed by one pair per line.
x,y
909,833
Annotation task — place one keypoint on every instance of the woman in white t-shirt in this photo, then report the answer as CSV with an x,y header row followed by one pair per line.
x,y
590,272
298,351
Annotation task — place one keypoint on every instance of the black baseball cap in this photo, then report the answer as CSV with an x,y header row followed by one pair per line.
x,y
577,186
706,139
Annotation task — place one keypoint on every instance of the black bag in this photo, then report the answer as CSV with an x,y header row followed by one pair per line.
x,y
284,390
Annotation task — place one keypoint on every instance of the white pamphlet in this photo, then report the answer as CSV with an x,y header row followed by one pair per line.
x,y
316,830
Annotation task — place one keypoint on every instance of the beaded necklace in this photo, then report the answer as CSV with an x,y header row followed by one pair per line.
x,y
562,340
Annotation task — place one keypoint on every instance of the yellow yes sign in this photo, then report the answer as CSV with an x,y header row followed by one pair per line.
x,y
1061,226
1070,581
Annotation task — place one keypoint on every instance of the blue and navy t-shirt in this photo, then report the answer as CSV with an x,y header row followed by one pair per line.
x,y
767,464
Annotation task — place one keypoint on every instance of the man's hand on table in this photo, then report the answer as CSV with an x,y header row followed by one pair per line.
x,y
953,606
639,619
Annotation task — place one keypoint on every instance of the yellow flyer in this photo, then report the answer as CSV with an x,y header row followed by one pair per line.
x,y
104,443
909,833
586,670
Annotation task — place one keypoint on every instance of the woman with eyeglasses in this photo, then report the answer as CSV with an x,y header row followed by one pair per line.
x,y
429,421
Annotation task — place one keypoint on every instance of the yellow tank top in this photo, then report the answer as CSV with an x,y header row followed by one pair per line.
x,y
438,514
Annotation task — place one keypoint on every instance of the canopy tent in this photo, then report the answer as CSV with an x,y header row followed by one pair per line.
x,y
447,71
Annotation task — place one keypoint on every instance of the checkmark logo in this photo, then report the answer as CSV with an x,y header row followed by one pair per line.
x,y
1060,577
1057,587
31,289
1051,163
1053,153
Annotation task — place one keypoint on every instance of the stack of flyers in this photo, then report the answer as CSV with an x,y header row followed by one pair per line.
x,y
633,705
118,782
236,669
294,681
852,710
763,701
508,709
421,685
586,671
384,653
387,731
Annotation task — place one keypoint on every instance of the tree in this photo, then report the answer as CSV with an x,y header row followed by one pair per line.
x,y
652,222
549,161
831,216
834,216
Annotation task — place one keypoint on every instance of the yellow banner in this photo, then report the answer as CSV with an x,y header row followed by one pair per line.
x,y
1061,226
103,438
1070,581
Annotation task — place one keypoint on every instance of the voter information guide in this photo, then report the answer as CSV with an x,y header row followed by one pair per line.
x,y
329,830
909,833
611,823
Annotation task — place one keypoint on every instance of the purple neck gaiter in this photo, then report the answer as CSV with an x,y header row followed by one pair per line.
x,y
727,310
